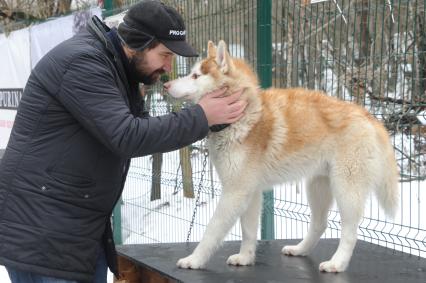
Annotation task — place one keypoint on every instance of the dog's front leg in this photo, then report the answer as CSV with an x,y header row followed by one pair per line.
x,y
231,205
249,226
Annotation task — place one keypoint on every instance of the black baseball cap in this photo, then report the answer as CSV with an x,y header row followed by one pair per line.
x,y
149,20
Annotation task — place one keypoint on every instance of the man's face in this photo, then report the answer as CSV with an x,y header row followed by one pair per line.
x,y
148,65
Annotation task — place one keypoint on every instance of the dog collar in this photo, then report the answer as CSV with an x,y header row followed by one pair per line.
x,y
218,128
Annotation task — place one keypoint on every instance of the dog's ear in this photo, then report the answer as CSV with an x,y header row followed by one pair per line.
x,y
211,50
223,58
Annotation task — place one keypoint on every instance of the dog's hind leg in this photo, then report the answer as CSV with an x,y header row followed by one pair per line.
x,y
231,206
249,226
350,198
320,199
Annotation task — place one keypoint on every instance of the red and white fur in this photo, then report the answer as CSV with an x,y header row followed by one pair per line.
x,y
287,135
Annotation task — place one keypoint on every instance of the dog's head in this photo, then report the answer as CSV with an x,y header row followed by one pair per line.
x,y
217,70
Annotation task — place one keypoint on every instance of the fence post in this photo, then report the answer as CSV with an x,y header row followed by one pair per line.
x,y
264,70
108,8
116,223
116,213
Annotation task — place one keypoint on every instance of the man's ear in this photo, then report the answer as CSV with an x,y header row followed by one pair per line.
x,y
223,58
211,50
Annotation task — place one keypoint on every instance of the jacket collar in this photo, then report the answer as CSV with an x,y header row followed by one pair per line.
x,y
97,28
114,38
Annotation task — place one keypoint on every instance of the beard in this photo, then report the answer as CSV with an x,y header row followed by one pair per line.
x,y
137,70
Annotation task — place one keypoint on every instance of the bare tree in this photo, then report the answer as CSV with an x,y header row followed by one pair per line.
x,y
16,14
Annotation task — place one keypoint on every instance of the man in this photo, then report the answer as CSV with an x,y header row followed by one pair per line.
x,y
79,122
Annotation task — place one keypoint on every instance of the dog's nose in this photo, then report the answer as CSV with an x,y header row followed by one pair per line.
x,y
166,85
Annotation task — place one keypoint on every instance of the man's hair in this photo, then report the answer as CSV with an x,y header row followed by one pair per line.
x,y
150,46
153,44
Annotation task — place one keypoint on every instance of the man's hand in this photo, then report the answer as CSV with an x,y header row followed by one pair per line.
x,y
222,110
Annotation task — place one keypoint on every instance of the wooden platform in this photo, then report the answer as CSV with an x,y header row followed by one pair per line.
x,y
370,264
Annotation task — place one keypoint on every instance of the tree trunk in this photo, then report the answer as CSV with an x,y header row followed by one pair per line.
x,y
64,7
157,162
185,164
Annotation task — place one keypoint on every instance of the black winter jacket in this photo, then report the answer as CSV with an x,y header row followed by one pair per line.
x,y
68,154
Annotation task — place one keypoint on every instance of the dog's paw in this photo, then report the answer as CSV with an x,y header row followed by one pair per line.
x,y
332,266
293,251
240,259
190,262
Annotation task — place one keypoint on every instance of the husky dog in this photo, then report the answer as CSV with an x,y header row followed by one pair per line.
x,y
287,135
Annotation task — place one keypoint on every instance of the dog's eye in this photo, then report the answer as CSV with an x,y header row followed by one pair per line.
x,y
194,76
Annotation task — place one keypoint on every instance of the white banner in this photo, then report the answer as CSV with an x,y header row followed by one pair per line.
x,y
7,117
19,53
15,59
47,35
14,72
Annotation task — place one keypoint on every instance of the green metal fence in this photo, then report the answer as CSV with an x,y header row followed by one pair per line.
x,y
369,52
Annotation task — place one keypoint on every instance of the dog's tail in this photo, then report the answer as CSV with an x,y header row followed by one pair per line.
x,y
387,190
